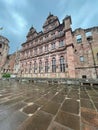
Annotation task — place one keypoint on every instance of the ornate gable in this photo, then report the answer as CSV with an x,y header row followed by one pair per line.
x,y
51,23
32,33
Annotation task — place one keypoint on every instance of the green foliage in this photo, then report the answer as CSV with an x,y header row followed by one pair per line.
x,y
6,75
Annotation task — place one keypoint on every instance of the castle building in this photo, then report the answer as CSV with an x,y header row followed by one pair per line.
x,y
59,52
8,62
4,49
86,52
55,52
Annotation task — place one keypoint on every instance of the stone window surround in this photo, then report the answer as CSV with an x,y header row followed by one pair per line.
x,y
89,33
61,43
54,65
41,49
40,66
35,50
81,58
46,66
79,38
53,46
44,36
62,64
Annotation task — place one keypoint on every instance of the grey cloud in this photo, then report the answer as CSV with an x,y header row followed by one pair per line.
x,y
18,16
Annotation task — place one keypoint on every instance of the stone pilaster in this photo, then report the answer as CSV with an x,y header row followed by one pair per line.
x,y
69,47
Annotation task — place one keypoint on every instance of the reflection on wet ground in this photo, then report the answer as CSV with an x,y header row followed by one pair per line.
x,y
47,107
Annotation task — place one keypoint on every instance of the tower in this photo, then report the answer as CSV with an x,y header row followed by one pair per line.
x,y
4,49
69,47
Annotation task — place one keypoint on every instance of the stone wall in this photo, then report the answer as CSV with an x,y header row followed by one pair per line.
x,y
4,49
87,49
79,49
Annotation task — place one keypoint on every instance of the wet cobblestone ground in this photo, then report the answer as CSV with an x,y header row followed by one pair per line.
x,y
48,107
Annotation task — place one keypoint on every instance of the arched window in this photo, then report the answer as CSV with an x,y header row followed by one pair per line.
x,y
40,66
26,67
53,46
35,67
30,67
62,64
53,65
46,66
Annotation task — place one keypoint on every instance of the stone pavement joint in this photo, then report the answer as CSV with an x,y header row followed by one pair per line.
x,y
48,107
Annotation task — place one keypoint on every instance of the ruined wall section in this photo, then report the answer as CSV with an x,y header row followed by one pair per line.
x,y
4,49
86,52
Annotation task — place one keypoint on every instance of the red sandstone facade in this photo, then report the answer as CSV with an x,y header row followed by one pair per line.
x,y
4,49
86,52
49,53
58,52
8,63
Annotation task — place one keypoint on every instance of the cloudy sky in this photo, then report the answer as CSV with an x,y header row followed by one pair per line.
x,y
17,16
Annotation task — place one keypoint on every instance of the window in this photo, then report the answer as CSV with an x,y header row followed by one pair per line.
x,y
36,40
89,36
41,39
61,43
97,56
30,52
30,67
81,58
84,76
79,38
52,25
35,51
62,64
40,66
26,54
53,33
41,49
46,66
61,33
53,46
35,67
46,47
28,45
54,65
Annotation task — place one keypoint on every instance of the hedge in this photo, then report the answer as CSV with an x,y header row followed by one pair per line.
x,y
6,75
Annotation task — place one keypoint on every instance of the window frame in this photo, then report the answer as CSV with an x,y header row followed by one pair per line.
x,y
81,58
53,46
35,67
79,38
53,65
61,43
62,64
46,66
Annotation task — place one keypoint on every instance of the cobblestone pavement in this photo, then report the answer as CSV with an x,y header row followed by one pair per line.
x,y
48,107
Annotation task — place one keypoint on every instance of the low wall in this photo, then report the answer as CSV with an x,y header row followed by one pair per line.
x,y
68,81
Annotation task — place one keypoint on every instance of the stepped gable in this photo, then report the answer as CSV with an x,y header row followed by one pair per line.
x,y
51,23
32,32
